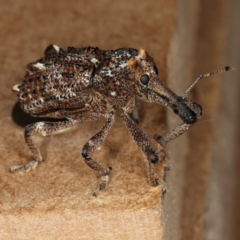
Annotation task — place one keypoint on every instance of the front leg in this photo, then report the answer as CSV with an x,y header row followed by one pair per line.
x,y
145,145
175,133
89,148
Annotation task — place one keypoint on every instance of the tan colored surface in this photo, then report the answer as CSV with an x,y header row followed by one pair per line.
x,y
79,224
202,203
210,42
54,201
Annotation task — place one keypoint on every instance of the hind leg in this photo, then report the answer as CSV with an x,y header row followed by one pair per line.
x,y
44,128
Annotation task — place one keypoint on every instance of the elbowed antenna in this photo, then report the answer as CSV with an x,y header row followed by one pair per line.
x,y
225,69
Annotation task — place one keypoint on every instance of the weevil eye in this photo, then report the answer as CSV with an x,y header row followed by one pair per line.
x,y
155,70
144,79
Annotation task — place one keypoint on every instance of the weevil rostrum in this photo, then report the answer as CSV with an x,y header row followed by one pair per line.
x,y
85,84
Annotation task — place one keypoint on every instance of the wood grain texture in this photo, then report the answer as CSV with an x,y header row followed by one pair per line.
x,y
55,201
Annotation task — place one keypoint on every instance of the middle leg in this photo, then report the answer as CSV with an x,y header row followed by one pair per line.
x,y
89,148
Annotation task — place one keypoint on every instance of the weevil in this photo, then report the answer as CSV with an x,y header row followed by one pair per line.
x,y
85,84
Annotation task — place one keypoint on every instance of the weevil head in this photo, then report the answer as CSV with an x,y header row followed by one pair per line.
x,y
150,88
145,71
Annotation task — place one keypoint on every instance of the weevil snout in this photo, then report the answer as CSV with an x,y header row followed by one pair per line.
x,y
156,91
194,107
187,110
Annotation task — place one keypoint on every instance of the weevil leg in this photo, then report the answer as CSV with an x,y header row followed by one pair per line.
x,y
143,142
135,113
182,127
89,148
175,133
44,128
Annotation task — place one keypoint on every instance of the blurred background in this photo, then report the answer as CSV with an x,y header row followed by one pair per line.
x,y
186,38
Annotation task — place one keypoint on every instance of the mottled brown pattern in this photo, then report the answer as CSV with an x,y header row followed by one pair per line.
x,y
84,84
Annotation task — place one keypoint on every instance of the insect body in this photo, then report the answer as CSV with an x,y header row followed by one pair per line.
x,y
85,84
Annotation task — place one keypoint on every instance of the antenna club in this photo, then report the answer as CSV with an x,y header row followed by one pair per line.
x,y
228,68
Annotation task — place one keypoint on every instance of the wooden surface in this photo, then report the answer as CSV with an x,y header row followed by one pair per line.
x,y
186,38
55,200
206,165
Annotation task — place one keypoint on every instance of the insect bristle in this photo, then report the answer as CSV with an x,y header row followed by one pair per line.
x,y
133,63
16,88
39,66
51,49
142,53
